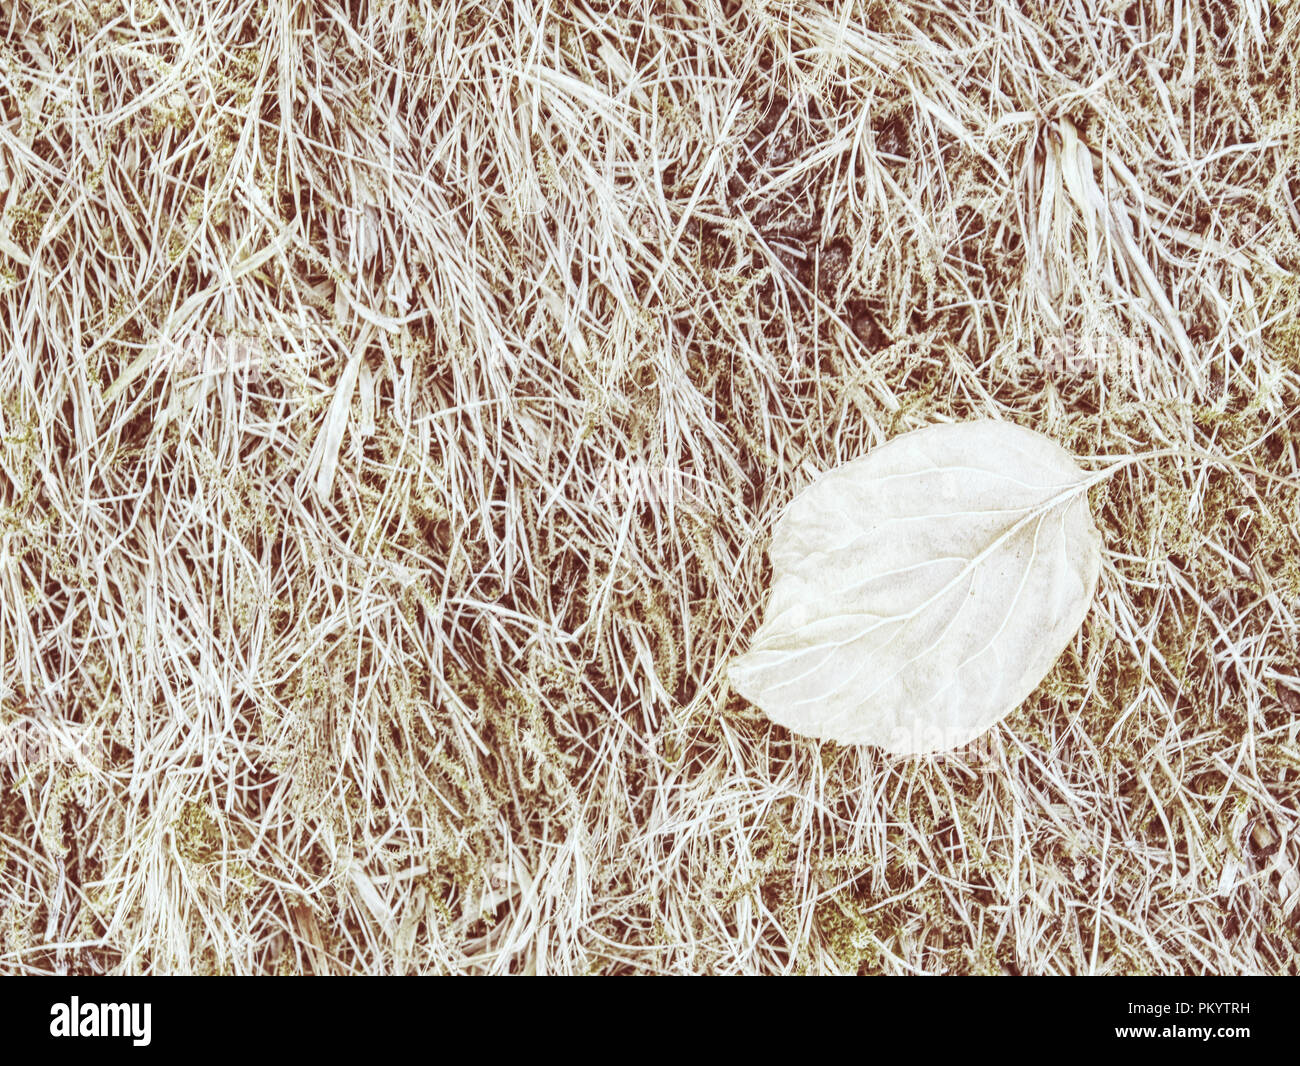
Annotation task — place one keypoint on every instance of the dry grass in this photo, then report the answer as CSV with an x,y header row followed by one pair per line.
x,y
396,396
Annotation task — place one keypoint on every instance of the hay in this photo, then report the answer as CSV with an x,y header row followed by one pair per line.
x,y
396,397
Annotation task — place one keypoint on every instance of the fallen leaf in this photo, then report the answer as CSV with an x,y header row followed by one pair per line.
x,y
921,592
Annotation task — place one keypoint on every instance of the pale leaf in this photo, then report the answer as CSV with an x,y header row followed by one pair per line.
x,y
921,592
